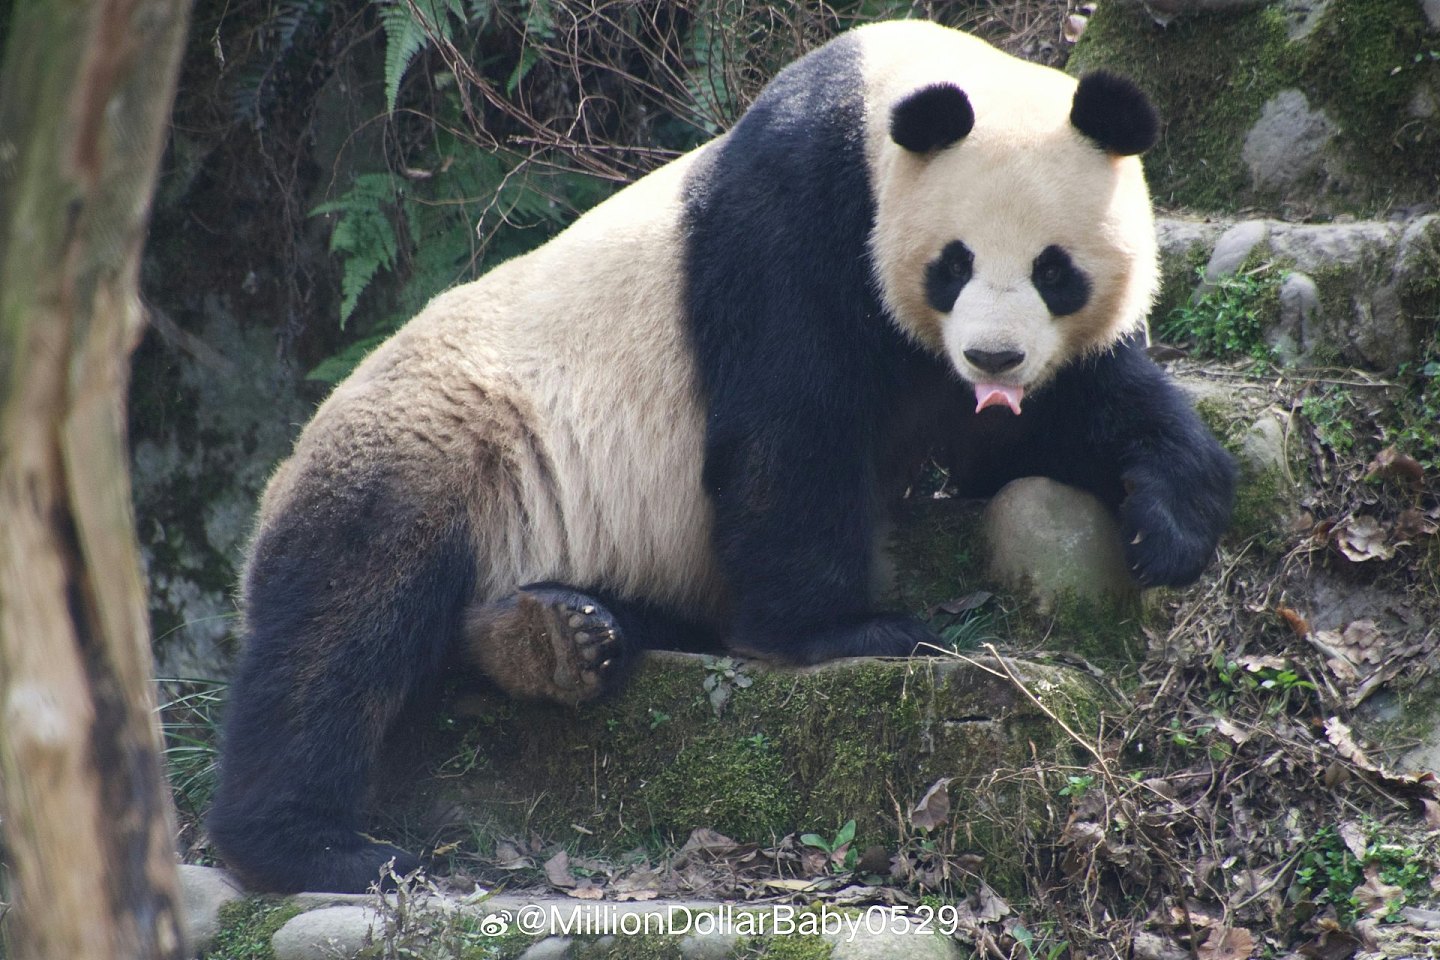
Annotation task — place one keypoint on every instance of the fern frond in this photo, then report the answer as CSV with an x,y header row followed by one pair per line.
x,y
363,236
408,30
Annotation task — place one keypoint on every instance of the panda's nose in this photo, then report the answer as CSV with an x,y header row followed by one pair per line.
x,y
995,361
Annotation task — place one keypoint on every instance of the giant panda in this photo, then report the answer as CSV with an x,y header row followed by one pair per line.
x,y
681,420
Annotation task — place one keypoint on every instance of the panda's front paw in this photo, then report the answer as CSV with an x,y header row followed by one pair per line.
x,y
1172,522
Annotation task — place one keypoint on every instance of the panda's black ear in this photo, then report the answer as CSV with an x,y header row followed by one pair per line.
x,y
931,117
1114,113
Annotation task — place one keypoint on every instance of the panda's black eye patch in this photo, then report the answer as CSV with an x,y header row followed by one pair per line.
x,y
947,275
1062,285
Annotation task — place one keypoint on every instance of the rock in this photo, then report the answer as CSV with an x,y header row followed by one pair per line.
x,y
1301,16
1048,539
1177,237
702,766
708,946
864,945
1299,308
1357,312
1432,12
1288,141
1262,449
325,934
203,891
551,948
1231,250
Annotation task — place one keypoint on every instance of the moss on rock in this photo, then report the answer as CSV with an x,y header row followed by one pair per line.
x,y
1363,65
794,750
1207,102
247,926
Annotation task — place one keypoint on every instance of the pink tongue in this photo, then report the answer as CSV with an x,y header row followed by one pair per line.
x,y
995,394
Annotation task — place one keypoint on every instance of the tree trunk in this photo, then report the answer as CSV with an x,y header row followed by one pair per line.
x,y
85,96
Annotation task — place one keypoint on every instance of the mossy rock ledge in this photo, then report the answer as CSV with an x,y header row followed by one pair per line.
x,y
791,750
1306,107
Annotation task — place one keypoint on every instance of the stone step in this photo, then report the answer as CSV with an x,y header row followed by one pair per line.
x,y
1362,292
753,752
516,927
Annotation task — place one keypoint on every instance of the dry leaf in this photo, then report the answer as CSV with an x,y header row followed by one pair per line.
x,y
637,895
586,890
707,841
1343,740
1366,640
1362,538
987,905
933,808
1257,663
509,857
1227,729
1412,525
1354,839
1375,896
1389,464
557,871
1074,27
1236,943
1332,944
794,886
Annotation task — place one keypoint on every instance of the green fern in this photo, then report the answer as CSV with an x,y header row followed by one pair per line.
x,y
432,234
363,236
539,25
409,26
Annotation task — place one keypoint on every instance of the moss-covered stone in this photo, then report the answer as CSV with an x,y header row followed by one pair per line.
x,y
794,947
1209,76
795,750
247,926
1363,66
939,557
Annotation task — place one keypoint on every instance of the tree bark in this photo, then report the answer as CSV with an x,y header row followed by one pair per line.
x,y
85,96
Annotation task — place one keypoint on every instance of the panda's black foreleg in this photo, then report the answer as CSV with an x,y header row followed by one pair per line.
x,y
1117,425
353,600
796,505
550,641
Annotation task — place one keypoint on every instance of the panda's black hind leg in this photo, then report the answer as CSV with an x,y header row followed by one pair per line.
x,y
354,598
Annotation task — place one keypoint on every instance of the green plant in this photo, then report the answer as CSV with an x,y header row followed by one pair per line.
x,y
412,25
840,851
1230,318
1077,786
970,632
1329,412
1041,944
1329,870
474,208
190,723
1418,411
723,676
1277,683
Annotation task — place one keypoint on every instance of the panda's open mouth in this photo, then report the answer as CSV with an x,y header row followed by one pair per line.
x,y
998,394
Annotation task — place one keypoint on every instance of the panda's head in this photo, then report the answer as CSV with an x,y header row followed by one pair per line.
x,y
1013,228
